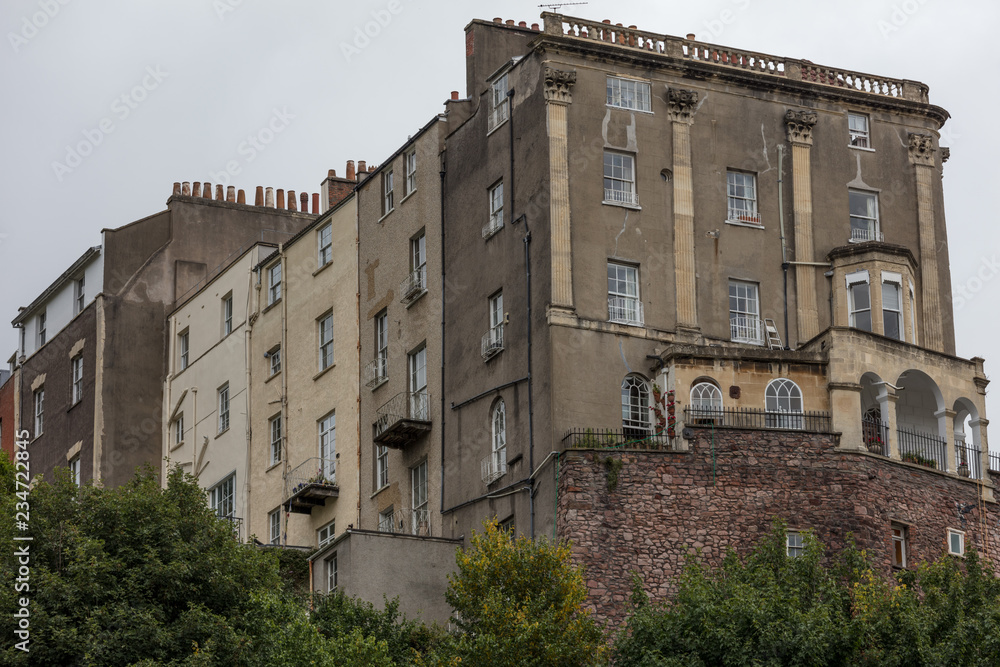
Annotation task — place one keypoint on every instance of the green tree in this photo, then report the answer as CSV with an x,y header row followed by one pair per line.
x,y
520,602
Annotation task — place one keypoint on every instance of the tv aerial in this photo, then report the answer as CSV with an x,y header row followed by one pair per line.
x,y
555,8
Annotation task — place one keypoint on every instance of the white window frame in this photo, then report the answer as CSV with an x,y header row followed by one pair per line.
x,y
706,402
224,408
327,430
41,323
325,325
74,470
227,314
499,101
781,398
864,226
619,179
854,309
498,432
331,573
387,520
325,533
274,526
913,313
893,281
745,324
410,160
418,258
496,318
635,404
222,497
900,544
76,364
324,244
417,365
274,357
388,203
741,194
794,544
952,534
495,222
80,294
179,430
629,94
274,283
381,467
859,130
418,496
184,343
39,402
274,428
382,344
624,302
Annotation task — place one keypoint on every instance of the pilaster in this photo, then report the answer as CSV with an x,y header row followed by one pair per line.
x,y
946,429
680,108
558,95
799,125
887,405
921,150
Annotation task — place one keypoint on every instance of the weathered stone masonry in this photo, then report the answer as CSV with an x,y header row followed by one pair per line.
x,y
666,503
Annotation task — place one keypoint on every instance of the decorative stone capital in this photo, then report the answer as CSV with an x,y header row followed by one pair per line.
x,y
681,104
921,149
945,154
799,124
559,85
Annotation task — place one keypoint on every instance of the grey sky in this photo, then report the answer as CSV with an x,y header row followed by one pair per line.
x,y
171,91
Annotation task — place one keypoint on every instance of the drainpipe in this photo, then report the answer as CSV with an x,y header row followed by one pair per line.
x,y
527,275
165,419
784,250
247,326
284,383
443,300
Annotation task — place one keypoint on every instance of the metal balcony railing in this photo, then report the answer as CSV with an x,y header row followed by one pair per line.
x,y
406,522
876,435
756,419
310,484
494,225
492,341
625,310
994,462
746,329
413,285
861,235
617,438
615,196
403,418
968,459
236,522
376,372
922,448
743,215
494,465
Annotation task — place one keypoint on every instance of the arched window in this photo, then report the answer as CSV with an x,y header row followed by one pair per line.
x,y
783,404
635,406
499,422
706,403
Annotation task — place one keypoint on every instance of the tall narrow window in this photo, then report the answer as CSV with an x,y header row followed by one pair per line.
x,y
184,343
892,310
498,427
624,306
274,356
419,403
381,466
864,216
499,102
74,470
783,404
381,347
331,573
418,487
619,179
42,318
224,407
227,314
411,171
496,210
326,342
744,313
39,397
274,283
387,192
324,239
859,301
418,261
179,429
742,192
222,497
275,427
493,340
635,407
857,126
328,445
628,94
274,526
80,294
77,369
899,545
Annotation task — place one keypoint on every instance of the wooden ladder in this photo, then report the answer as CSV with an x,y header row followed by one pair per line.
x,y
773,339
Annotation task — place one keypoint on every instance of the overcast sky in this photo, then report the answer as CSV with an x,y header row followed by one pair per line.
x,y
159,92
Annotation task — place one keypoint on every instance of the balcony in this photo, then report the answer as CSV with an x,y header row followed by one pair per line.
x,y
236,523
406,522
743,216
310,484
403,419
376,372
492,342
866,234
876,435
494,466
922,448
625,310
746,329
498,115
621,197
759,420
969,460
494,225
620,438
413,285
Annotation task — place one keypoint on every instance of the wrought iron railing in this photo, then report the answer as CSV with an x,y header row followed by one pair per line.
x,y
743,215
625,310
756,419
315,470
494,225
922,448
746,329
866,234
413,285
616,196
404,405
376,371
492,341
876,435
406,521
236,523
968,459
494,465
994,462
617,438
